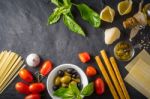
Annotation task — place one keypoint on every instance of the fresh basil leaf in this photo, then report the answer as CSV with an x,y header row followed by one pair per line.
x,y
74,89
70,14
61,2
88,90
56,2
64,93
66,9
89,15
67,2
69,98
55,16
72,25
79,97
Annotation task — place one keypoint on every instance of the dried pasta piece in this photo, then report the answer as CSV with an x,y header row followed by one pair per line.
x,y
112,74
106,77
139,77
123,87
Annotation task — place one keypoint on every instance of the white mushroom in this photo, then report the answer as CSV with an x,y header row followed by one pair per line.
x,y
33,60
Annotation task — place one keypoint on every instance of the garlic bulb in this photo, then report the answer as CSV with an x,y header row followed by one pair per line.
x,y
111,35
33,60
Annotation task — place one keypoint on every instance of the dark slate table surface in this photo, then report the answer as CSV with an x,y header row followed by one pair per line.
x,y
23,29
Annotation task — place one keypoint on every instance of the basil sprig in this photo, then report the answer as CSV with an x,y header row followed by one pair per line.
x,y
64,9
72,92
89,15
55,16
72,25
88,90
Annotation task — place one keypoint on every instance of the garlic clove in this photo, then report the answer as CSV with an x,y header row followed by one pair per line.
x,y
33,60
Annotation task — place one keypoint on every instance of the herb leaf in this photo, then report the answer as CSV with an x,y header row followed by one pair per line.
x,y
56,2
72,25
74,89
55,16
89,15
79,97
70,14
64,7
88,90
67,2
73,92
65,93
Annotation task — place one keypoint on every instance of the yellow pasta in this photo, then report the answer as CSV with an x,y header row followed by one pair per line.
x,y
106,77
6,65
10,64
14,61
115,67
4,59
112,74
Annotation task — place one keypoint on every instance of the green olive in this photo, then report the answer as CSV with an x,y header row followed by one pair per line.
x,y
73,82
64,85
67,74
76,80
57,81
65,79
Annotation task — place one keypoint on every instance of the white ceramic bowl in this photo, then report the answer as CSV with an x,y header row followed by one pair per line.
x,y
53,74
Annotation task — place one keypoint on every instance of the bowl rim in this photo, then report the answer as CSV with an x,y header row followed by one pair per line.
x,y
79,70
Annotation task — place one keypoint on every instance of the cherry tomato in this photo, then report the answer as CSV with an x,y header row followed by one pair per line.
x,y
84,57
99,86
36,87
91,71
26,75
46,68
22,88
33,96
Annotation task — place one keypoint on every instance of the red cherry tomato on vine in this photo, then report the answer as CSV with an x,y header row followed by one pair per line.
x,y
33,96
46,68
26,75
90,71
36,87
84,57
99,86
22,88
